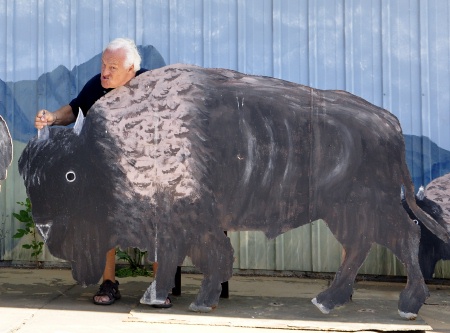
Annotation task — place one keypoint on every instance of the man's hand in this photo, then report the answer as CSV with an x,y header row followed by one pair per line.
x,y
44,118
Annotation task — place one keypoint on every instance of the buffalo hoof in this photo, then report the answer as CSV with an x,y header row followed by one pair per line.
x,y
200,308
144,300
148,297
407,315
156,303
321,307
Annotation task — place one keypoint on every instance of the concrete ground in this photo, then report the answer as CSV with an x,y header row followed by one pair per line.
x,y
49,300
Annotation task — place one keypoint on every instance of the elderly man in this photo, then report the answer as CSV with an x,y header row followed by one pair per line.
x,y
120,63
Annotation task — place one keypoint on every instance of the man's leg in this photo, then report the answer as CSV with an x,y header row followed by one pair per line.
x,y
110,267
108,291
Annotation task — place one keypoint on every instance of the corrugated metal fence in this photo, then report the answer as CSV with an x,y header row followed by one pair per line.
x,y
395,54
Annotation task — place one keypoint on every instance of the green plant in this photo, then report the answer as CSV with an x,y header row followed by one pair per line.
x,y
24,216
135,267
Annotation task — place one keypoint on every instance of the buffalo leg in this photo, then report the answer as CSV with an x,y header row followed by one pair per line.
x,y
157,292
341,289
214,258
416,291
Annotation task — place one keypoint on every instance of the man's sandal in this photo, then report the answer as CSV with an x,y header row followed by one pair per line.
x,y
167,304
110,289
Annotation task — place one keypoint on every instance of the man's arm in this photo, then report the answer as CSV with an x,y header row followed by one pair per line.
x,y
63,116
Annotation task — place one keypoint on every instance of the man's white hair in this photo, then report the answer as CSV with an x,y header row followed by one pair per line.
x,y
132,54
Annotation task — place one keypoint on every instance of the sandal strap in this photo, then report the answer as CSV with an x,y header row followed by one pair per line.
x,y
110,289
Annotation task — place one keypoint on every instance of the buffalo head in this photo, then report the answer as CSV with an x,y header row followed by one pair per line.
x,y
435,200
71,187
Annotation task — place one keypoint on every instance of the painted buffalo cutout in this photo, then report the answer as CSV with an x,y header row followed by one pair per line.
x,y
434,200
6,149
181,154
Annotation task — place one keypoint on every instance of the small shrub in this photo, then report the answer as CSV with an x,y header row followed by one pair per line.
x,y
134,268
24,216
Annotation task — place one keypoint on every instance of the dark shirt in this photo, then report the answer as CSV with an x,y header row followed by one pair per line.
x,y
91,92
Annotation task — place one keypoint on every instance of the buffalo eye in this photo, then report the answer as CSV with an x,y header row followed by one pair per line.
x,y
71,176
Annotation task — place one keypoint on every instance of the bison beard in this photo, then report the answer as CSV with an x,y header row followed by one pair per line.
x,y
182,153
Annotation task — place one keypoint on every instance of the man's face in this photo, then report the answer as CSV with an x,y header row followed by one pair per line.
x,y
114,73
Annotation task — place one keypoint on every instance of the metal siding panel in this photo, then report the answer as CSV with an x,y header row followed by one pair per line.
x,y
7,107
73,37
293,250
381,261
3,35
41,55
425,119
186,33
90,27
220,31
53,42
442,270
234,239
363,50
394,54
326,40
392,97
122,19
116,18
326,251
255,37
256,251
157,26
5,195
435,50
401,55
290,40
54,22
139,30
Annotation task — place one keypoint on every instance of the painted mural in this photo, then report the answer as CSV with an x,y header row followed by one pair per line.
x,y
393,54
5,150
20,100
